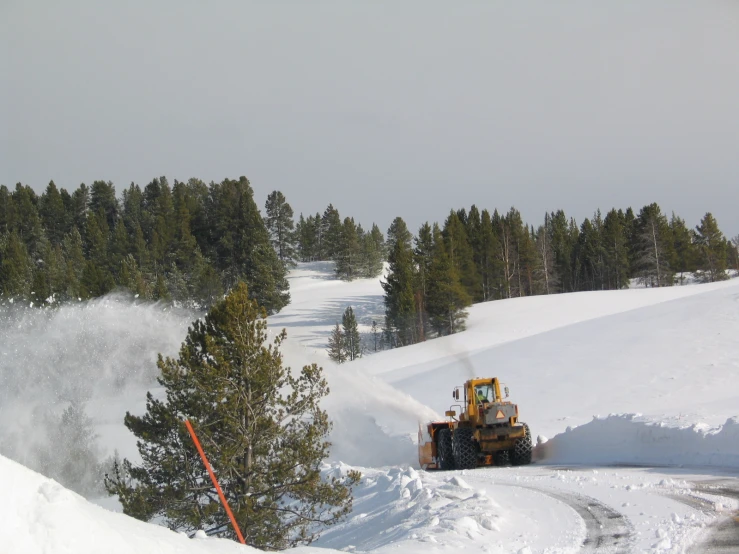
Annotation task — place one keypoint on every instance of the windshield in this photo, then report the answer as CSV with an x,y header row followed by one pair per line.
x,y
484,393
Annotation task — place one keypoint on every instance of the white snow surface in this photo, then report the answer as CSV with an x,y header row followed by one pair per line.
x,y
639,377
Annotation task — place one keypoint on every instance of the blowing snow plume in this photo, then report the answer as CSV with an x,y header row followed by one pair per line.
x,y
86,364
374,424
78,368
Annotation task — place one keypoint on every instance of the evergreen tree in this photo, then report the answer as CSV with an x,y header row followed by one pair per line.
x,y
133,207
564,239
262,429
712,246
103,199
547,274
400,308
653,248
460,254
447,298
331,229
53,214
80,206
76,263
685,254
509,230
488,260
351,341
616,248
16,269
281,227
423,256
241,245
27,220
7,210
307,236
72,456
376,252
347,254
734,252
398,233
132,278
336,350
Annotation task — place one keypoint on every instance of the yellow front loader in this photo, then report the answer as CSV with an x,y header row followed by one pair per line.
x,y
482,428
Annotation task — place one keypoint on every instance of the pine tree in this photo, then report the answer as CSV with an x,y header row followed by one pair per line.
x,y
615,244
7,211
103,199
547,274
240,244
76,263
398,233
423,255
652,248
307,236
262,429
16,269
72,454
447,298
351,341
80,206
281,227
53,214
376,251
490,266
734,252
27,220
460,254
331,229
336,350
400,306
347,254
685,253
712,246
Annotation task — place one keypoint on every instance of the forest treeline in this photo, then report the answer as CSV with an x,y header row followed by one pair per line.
x,y
477,256
189,242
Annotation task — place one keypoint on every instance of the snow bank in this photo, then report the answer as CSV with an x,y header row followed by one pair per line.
x,y
634,440
39,515
400,508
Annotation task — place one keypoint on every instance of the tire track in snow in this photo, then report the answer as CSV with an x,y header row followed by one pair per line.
x,y
607,531
723,536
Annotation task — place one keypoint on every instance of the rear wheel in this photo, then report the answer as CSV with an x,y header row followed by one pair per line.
x,y
521,453
444,449
465,450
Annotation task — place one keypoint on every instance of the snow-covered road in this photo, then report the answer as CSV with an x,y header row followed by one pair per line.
x,y
542,508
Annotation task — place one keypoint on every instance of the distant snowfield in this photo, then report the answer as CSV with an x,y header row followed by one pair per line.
x,y
640,377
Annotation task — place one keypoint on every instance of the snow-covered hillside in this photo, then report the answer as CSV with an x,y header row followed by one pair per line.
x,y
669,355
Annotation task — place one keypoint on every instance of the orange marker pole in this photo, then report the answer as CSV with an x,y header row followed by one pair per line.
x,y
215,481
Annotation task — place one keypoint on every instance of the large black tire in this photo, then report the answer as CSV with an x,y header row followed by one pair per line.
x,y
444,449
465,450
521,453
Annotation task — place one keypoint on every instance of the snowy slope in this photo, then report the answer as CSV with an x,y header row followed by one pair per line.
x,y
668,354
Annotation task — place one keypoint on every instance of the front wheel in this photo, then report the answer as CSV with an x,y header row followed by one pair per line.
x,y
444,449
465,450
521,453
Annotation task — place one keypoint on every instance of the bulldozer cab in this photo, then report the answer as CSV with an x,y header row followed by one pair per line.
x,y
484,393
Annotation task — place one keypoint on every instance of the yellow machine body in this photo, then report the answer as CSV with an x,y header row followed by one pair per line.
x,y
480,407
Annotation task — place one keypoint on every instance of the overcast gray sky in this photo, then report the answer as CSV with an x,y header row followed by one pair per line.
x,y
383,108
